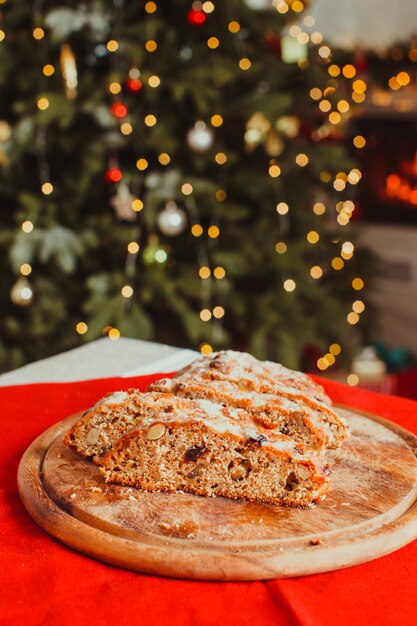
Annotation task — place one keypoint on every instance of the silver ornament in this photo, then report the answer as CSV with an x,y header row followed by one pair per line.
x,y
200,137
172,220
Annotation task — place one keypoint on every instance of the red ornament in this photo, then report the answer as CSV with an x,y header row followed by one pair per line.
x,y
113,175
196,18
119,110
134,84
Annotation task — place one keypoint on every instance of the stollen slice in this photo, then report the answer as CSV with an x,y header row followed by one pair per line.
x,y
202,448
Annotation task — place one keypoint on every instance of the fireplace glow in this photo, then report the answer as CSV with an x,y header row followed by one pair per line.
x,y
403,185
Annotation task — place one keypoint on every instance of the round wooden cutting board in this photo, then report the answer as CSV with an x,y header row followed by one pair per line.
x,y
370,511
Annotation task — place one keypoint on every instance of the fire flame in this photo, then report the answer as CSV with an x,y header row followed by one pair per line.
x,y
398,185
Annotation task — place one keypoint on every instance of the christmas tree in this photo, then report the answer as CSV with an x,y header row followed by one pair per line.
x,y
174,171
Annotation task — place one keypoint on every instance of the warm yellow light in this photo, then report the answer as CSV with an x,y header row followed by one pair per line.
x,y
27,226
348,247
325,176
2,35
325,106
220,158
154,81
343,219
142,164
289,284
216,120
316,38
205,315
319,208
297,6
126,128
358,284
133,247
204,272
324,52
213,43
303,38
274,171
359,141
151,45
115,87
352,318
38,33
150,7
316,272
354,176
213,232
359,86
301,159
244,63
221,195
322,364
309,21
48,69
187,189
358,306
349,71
206,348
25,269
334,70
315,93
282,7
219,272
126,291
196,230
112,45
282,208
352,380
358,97
150,120
234,27
114,333
343,106
335,349
337,263
43,103
313,236
339,184
208,7
403,78
329,358
281,247
81,328
335,118
137,205
218,312
164,158
47,188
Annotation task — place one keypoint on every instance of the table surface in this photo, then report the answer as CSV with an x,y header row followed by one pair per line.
x,y
101,359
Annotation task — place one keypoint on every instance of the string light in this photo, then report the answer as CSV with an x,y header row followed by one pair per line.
x,y
27,227
216,120
289,284
274,170
150,7
301,159
196,230
38,33
206,348
313,237
358,284
281,247
213,43
352,318
133,247
154,81
234,27
127,291
142,164
25,269
81,328
115,87
220,158
319,208
219,272
316,272
2,35
126,128
114,333
112,45
204,272
213,232
282,208
358,306
150,120
337,263
245,64
352,380
137,205
48,70
220,195
359,141
205,315
43,103
47,188
164,158
151,45
335,349
187,189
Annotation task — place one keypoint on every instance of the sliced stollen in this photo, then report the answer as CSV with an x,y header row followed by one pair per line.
x,y
203,448
296,419
255,375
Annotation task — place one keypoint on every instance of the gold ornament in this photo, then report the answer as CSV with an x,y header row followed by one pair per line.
x,y
21,293
69,71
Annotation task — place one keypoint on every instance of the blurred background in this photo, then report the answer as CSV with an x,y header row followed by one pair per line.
x,y
236,174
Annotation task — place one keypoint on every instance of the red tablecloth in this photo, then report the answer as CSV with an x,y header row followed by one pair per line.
x,y
43,582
